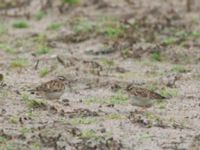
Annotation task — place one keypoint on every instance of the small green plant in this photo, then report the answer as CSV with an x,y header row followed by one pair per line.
x,y
44,72
125,52
36,103
33,103
7,146
20,24
25,130
43,50
152,87
169,41
119,98
150,116
108,62
54,26
7,48
83,26
72,2
156,56
182,34
41,39
13,119
88,134
161,105
143,136
19,63
25,97
179,69
36,146
3,140
169,92
114,116
42,44
111,27
195,34
4,93
39,15
30,114
113,32
84,120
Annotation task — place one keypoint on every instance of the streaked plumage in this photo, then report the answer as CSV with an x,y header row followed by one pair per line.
x,y
52,89
142,92
143,97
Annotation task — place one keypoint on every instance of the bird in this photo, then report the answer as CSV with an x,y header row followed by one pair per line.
x,y
52,89
143,97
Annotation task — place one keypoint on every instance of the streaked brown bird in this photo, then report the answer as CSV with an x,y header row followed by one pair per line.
x,y
143,97
52,89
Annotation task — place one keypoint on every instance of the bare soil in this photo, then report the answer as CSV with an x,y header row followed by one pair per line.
x,y
100,46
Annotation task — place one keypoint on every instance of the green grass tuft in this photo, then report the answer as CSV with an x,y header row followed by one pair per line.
x,y
169,92
108,62
114,116
25,97
156,56
113,32
54,26
19,63
44,72
88,134
3,140
20,24
7,48
32,104
195,34
125,52
179,69
43,50
39,15
14,119
83,26
41,42
25,130
169,41
72,2
84,120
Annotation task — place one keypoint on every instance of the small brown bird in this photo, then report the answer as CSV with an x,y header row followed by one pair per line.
x,y
52,89
143,97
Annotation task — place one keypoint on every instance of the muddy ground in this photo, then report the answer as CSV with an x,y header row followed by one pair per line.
x,y
100,46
